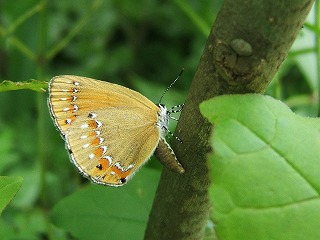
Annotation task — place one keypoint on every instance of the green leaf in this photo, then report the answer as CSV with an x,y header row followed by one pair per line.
x,y
9,186
34,85
265,169
102,212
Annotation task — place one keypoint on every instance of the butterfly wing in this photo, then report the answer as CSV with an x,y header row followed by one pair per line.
x,y
110,130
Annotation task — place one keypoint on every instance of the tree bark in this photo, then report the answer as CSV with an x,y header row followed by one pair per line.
x,y
247,44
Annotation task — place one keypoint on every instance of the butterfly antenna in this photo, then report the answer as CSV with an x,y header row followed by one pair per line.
x,y
171,85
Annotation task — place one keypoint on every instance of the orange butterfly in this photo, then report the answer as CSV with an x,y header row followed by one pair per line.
x,y
110,130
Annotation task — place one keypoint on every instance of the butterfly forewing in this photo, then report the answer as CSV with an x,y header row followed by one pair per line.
x,y
110,130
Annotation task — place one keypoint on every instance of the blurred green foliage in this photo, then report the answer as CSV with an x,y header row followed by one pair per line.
x,y
139,44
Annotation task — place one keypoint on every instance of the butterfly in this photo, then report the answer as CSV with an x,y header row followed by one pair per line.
x,y
110,131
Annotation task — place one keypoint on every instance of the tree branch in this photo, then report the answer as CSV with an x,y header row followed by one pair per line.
x,y
247,44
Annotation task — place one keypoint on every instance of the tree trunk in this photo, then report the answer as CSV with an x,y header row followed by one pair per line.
x,y
248,42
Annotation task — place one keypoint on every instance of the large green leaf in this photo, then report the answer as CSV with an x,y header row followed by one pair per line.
x,y
265,169
99,212
9,186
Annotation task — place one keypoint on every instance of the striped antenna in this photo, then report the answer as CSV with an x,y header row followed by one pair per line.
x,y
171,85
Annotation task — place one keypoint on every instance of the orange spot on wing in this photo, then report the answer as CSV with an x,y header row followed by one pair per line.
x,y
98,152
104,163
92,124
95,141
93,134
73,108
68,99
120,173
71,119
125,174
